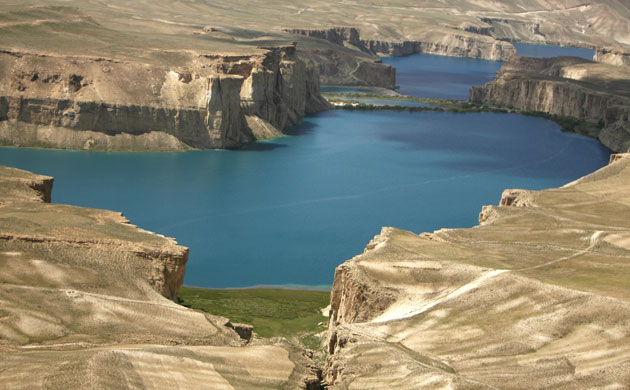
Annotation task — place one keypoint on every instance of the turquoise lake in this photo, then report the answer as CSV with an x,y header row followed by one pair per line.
x,y
288,211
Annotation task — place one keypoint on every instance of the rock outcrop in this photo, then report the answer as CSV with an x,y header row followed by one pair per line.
x,y
455,45
566,87
215,101
535,297
613,56
352,60
86,298
449,44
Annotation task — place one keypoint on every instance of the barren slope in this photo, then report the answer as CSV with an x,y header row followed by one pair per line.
x,y
537,296
83,304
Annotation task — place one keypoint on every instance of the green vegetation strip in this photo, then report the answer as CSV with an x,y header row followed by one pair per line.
x,y
457,106
273,312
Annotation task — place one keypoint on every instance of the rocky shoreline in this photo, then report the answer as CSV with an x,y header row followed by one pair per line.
x,y
88,302
533,297
595,93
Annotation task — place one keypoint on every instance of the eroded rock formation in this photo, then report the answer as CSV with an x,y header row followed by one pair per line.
x,y
614,56
568,87
535,297
215,101
86,301
473,45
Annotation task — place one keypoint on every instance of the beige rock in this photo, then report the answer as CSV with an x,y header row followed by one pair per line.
x,y
567,87
69,102
86,301
536,297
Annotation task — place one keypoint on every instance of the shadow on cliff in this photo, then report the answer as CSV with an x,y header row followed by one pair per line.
x,y
302,128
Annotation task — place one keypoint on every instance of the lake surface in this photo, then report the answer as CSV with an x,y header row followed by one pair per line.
x,y
288,211
527,50
426,75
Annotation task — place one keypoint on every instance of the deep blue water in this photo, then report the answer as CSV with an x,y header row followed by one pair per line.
x,y
289,210
523,49
425,75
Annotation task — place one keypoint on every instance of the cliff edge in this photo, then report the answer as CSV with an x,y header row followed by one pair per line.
x,y
86,301
595,93
210,101
536,296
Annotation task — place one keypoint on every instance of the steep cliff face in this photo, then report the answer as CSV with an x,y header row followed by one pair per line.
x,y
88,298
353,60
19,185
534,297
161,263
337,35
449,43
567,87
215,101
343,66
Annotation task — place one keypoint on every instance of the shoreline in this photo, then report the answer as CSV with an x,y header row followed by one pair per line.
x,y
294,287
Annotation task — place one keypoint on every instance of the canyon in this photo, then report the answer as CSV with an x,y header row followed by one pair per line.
x,y
536,296
171,77
88,301
98,104
595,93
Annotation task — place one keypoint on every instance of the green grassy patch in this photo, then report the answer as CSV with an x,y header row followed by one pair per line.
x,y
272,312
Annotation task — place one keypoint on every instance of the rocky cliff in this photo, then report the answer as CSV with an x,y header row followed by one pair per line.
x,y
567,87
613,56
86,301
451,43
212,101
456,45
535,297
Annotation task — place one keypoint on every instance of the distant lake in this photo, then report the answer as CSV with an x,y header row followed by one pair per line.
x,y
288,211
527,50
426,75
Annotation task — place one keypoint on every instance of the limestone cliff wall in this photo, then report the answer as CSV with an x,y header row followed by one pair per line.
x,y
348,67
448,43
336,35
212,102
155,260
352,60
355,298
541,89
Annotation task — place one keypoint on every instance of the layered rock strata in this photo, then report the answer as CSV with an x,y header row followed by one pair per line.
x,y
567,87
472,45
535,297
86,301
214,101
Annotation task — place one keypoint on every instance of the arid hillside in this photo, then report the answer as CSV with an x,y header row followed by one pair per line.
x,y
535,297
86,303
